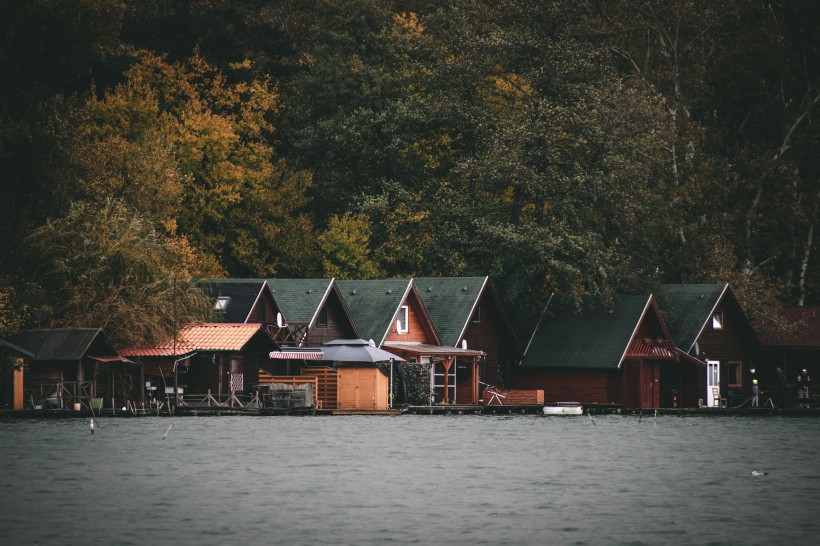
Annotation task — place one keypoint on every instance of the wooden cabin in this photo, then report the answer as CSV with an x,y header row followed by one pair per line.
x,y
61,368
707,323
467,312
793,348
206,363
392,313
620,356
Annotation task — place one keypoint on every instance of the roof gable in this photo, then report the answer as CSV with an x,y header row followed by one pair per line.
x,y
373,304
687,308
450,302
300,299
595,339
243,294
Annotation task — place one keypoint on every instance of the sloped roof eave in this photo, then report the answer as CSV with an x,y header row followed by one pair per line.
x,y
634,331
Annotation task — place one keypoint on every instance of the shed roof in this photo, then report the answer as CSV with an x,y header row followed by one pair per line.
x,y
243,294
373,304
216,337
595,339
687,309
802,328
62,343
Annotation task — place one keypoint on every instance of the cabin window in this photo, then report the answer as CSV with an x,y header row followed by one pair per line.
x,y
401,323
717,321
321,320
261,314
477,315
221,303
735,374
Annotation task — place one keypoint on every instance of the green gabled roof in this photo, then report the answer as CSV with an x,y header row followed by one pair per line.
x,y
373,304
243,294
450,301
300,299
687,308
594,339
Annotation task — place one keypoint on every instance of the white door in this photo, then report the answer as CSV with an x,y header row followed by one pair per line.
x,y
713,383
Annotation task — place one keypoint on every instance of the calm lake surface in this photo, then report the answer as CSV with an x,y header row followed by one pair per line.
x,y
411,479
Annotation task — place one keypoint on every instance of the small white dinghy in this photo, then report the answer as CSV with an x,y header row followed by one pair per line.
x,y
564,408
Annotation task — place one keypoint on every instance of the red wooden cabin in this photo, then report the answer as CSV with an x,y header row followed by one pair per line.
x,y
623,356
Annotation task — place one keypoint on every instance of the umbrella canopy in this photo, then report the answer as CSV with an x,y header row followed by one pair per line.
x,y
356,350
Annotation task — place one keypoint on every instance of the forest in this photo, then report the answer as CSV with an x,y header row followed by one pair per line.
x,y
583,148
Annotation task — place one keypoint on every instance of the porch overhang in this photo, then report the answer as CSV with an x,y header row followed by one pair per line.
x,y
655,349
435,352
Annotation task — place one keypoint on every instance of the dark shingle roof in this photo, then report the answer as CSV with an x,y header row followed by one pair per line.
x,y
243,294
687,308
63,343
594,339
300,299
373,304
802,328
450,301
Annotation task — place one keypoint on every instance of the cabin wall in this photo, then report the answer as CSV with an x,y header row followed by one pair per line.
x,y
588,386
417,329
264,312
489,336
338,325
733,343
362,389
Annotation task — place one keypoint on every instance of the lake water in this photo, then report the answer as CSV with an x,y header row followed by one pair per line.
x,y
411,480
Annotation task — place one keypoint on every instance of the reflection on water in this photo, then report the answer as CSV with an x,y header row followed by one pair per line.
x,y
411,479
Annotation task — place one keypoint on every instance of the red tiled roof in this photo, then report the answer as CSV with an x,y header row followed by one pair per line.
x,y
802,328
202,337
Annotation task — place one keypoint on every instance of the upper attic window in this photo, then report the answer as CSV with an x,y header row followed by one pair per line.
x,y
401,323
221,303
321,319
477,315
717,321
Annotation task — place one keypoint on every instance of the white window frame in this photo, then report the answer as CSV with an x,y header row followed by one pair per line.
x,y
221,303
402,326
717,321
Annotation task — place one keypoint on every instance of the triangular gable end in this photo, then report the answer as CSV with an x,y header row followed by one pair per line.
x,y
644,343
416,310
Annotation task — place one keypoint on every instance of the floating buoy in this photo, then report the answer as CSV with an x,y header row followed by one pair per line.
x,y
92,424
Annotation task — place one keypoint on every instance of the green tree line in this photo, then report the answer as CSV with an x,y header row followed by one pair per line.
x,y
583,148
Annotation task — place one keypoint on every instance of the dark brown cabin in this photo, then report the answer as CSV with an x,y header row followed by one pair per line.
x,y
708,324
61,368
623,356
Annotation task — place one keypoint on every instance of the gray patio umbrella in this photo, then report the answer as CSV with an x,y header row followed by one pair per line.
x,y
356,350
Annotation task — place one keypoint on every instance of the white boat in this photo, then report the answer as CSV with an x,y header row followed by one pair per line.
x,y
564,408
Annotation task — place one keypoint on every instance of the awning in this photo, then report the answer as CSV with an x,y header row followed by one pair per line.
x,y
111,359
297,354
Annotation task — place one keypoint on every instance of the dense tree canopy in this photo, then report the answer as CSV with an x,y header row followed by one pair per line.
x,y
579,147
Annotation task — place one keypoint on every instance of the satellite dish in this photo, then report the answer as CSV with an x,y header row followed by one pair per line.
x,y
463,343
279,321
371,343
